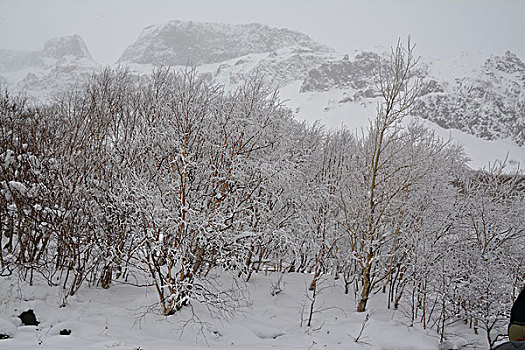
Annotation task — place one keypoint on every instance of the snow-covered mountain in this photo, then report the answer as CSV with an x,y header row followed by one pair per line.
x,y
61,47
40,74
182,43
490,105
480,105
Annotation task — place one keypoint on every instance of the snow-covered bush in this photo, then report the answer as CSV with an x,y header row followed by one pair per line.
x,y
167,179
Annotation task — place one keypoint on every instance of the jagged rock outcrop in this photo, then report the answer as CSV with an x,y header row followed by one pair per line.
x,y
41,74
70,45
490,106
183,43
344,73
56,51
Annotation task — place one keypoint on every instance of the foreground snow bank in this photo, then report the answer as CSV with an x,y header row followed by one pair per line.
x,y
125,317
7,329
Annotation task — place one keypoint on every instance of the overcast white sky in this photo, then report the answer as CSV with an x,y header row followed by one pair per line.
x,y
441,28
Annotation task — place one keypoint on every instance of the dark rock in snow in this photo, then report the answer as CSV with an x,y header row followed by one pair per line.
x,y
29,318
65,332
490,105
357,74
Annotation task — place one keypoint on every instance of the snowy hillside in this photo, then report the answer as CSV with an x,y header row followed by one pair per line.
x,y
490,105
478,102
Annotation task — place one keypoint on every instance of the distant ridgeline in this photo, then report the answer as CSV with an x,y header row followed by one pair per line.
x,y
489,105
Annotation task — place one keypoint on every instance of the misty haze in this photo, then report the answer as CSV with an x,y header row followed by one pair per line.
x,y
219,175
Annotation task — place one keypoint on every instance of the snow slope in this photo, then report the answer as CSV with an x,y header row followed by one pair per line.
x,y
489,103
327,108
118,319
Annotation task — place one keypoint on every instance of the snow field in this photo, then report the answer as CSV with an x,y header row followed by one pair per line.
x,y
127,317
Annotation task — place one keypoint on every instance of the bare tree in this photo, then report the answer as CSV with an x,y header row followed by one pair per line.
x,y
197,183
387,167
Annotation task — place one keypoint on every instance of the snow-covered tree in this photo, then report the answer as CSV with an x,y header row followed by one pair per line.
x,y
380,177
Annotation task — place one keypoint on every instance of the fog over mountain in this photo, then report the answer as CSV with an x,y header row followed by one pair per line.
x,y
180,43
55,52
62,62
485,102
255,175
441,28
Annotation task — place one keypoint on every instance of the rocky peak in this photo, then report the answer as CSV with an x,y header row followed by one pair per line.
x,y
488,105
357,73
182,43
70,45
506,64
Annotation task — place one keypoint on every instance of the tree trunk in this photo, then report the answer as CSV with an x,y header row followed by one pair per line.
x,y
361,307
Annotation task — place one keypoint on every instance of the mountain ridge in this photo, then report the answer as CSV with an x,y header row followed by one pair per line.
x,y
55,51
320,83
193,43
61,61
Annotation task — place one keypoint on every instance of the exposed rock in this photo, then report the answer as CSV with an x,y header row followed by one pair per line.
x,y
357,74
183,43
70,45
28,318
7,329
490,106
65,332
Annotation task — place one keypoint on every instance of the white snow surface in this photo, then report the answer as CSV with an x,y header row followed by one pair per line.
x,y
7,328
328,109
467,64
118,318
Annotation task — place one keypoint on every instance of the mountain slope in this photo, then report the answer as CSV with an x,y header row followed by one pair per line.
x,y
182,43
490,105
40,74
480,103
